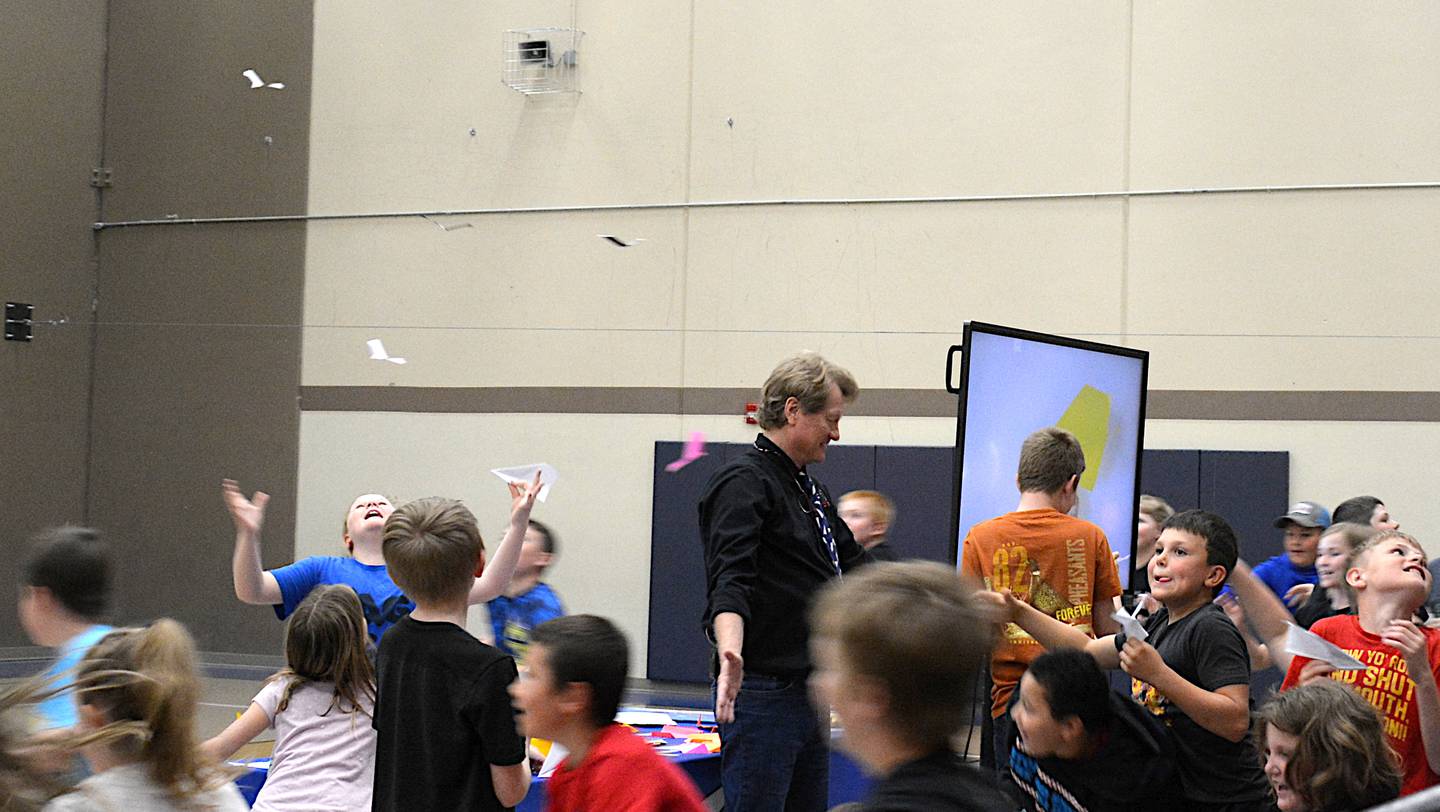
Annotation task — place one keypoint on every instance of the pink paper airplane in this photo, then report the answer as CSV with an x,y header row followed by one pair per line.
x,y
694,450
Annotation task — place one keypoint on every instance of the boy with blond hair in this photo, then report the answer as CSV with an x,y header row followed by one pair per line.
x,y
1060,564
869,515
446,730
1390,581
1192,670
896,649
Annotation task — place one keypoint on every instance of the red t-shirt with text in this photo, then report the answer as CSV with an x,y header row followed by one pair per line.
x,y
621,773
1386,684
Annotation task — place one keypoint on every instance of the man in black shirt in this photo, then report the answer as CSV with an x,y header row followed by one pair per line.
x,y
772,538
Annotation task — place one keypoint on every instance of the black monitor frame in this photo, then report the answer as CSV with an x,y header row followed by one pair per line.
x,y
963,391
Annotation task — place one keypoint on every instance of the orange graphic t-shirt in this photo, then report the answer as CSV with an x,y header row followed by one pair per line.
x,y
1059,564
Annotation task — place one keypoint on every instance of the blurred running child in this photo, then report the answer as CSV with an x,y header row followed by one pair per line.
x,y
527,601
138,691
897,648
569,693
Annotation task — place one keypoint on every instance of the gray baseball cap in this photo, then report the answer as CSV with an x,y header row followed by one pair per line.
x,y
1306,514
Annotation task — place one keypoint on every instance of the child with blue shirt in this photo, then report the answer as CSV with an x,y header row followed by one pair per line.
x,y
64,594
364,570
1303,524
528,601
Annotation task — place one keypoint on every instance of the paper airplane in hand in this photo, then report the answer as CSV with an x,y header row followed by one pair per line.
x,y
1132,627
377,352
694,450
1304,643
525,474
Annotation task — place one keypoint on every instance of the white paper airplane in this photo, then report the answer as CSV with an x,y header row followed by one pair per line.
x,y
377,352
257,82
525,474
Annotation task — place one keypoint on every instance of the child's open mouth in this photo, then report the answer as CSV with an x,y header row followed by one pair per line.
x,y
373,513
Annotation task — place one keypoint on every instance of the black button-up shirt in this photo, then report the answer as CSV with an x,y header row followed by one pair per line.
x,y
764,555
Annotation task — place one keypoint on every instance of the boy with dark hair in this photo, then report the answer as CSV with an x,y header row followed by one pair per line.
x,y
1057,563
1077,745
527,601
896,649
569,694
64,594
1366,510
1192,670
869,515
446,731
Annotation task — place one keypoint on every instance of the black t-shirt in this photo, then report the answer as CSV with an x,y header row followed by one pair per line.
x,y
939,782
443,717
1206,649
884,552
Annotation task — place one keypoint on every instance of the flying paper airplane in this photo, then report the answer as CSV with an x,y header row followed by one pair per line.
x,y
257,82
694,450
377,352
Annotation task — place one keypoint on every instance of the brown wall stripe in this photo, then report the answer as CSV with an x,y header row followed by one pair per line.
x,y
1164,404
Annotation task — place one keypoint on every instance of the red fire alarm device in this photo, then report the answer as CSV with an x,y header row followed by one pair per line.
x,y
750,410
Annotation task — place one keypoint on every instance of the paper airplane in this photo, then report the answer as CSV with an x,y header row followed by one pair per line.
x,y
694,450
257,82
616,241
377,352
525,474
1304,643
1132,627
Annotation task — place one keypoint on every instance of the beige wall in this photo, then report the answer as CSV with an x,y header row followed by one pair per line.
x,y
713,102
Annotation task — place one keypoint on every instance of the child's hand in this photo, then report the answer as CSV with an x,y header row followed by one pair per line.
x,y
1298,594
1313,670
523,499
1407,637
1002,606
248,514
1140,660
1233,610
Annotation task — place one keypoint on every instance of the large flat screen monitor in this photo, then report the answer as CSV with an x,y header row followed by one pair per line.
x,y
1013,382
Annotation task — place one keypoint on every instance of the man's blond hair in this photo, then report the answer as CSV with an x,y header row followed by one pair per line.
x,y
806,377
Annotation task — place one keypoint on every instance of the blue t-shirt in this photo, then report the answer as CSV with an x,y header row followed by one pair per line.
x,y
381,599
59,710
1280,574
513,618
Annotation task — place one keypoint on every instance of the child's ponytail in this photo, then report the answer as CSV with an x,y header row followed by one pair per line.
x,y
145,683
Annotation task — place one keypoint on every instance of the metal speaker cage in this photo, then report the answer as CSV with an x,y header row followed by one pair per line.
x,y
542,60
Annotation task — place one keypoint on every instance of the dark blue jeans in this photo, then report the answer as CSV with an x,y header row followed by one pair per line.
x,y
776,754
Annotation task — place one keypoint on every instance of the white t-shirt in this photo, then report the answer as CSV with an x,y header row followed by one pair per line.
x,y
321,763
131,789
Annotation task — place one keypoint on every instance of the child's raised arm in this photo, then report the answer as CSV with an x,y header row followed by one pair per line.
x,y
253,583
1050,633
240,731
1410,640
492,582
1269,616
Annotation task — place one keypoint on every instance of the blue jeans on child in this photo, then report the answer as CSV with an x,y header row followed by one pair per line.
x,y
776,754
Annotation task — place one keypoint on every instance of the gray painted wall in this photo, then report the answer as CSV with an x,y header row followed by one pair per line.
x,y
51,74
